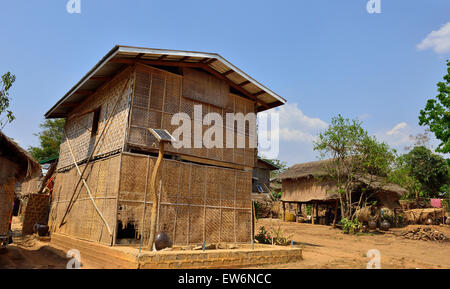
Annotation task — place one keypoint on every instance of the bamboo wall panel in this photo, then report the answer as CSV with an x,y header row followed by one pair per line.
x,y
80,120
204,87
307,189
82,220
158,95
197,202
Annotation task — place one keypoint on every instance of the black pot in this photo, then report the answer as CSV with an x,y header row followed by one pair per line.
x,y
162,241
372,225
385,225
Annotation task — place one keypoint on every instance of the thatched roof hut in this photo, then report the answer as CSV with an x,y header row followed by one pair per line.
x,y
308,182
15,162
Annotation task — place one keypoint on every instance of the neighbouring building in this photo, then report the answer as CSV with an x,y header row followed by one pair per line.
x,y
309,185
16,165
205,194
261,176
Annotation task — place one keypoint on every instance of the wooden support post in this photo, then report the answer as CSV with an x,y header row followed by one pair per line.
x,y
335,213
155,195
284,212
313,213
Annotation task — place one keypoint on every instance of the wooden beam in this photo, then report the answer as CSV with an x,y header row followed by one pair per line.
x,y
184,58
162,57
244,83
84,92
70,104
101,78
259,93
210,61
228,72
139,56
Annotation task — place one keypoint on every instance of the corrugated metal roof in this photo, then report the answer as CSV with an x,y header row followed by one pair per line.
x,y
121,56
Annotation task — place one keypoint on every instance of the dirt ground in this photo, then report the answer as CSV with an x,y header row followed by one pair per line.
x,y
328,248
323,248
29,253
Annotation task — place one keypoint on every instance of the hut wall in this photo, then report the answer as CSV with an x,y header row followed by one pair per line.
x,y
263,176
79,123
6,204
158,95
82,220
197,203
306,190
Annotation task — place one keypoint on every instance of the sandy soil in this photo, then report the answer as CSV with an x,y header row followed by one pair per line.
x,y
323,248
29,253
327,248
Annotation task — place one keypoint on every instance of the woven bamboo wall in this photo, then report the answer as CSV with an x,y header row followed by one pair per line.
x,y
6,204
158,96
79,122
83,221
196,202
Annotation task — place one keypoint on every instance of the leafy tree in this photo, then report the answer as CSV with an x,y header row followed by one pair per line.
x,y
281,165
6,82
402,176
429,169
352,154
436,114
50,139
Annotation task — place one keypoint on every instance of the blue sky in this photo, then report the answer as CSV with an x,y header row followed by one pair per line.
x,y
324,57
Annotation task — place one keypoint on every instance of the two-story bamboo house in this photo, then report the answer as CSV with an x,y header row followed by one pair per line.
x,y
205,193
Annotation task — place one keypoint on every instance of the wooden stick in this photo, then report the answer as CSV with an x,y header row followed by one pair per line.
x,y
87,187
155,195
105,128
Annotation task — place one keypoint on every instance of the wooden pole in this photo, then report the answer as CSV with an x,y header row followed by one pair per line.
x,y
88,190
335,213
313,213
155,195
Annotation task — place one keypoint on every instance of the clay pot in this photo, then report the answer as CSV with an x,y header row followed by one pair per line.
x,y
429,222
447,221
372,225
162,241
385,225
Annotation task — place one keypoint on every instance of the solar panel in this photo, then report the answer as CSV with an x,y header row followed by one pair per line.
x,y
162,135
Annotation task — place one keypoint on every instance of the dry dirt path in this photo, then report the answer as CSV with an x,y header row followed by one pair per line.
x,y
325,247
29,253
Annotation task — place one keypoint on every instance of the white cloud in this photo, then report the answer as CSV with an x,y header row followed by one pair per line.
x,y
438,40
297,132
397,129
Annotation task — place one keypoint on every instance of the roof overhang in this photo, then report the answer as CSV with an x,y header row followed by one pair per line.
x,y
121,56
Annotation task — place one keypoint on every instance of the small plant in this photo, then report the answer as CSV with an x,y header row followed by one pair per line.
x,y
274,236
308,210
350,226
263,236
275,196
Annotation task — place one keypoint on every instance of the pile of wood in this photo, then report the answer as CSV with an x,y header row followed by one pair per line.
x,y
420,216
424,234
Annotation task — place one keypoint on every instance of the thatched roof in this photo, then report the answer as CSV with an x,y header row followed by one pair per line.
x,y
319,169
311,169
27,165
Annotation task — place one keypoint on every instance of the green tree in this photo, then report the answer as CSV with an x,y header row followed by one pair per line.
x,y
352,153
429,169
6,82
282,166
436,114
50,139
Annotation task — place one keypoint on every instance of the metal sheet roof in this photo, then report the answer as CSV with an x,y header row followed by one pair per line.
x,y
120,56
